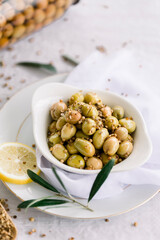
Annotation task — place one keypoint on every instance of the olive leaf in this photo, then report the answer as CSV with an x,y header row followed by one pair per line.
x,y
59,179
41,203
49,67
69,60
101,177
41,181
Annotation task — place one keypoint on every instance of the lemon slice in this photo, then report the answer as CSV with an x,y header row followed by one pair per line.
x,y
15,159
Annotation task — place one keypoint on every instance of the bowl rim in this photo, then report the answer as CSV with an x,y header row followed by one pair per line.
x,y
67,168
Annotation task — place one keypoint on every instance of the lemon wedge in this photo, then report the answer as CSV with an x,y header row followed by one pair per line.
x,y
15,159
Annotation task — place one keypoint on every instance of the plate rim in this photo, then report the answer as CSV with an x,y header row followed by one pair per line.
x,y
57,215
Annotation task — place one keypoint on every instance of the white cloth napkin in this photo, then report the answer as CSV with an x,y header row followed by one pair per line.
x,y
129,74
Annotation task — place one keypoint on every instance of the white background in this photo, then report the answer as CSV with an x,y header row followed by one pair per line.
x,y
114,25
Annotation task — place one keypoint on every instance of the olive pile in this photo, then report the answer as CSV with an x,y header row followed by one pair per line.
x,y
19,18
85,133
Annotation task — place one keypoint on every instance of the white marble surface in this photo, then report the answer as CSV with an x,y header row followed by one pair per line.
x,y
91,23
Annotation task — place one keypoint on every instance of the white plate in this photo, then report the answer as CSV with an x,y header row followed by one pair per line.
x,y
12,115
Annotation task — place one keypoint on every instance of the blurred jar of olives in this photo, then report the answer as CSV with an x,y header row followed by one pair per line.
x,y
19,18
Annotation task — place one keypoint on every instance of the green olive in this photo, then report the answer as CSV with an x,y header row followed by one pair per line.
x,y
89,126
125,149
111,146
92,98
122,133
71,148
106,158
106,111
60,152
94,163
77,97
60,123
111,122
85,147
54,139
57,109
99,137
129,124
72,116
68,131
80,134
76,106
118,112
76,161
52,127
89,111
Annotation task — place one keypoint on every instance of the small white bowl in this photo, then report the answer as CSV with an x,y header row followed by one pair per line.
x,y
50,93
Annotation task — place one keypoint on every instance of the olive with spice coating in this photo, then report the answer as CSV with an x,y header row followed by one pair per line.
x,y
68,131
94,163
60,123
85,147
99,137
106,158
125,149
54,139
52,127
57,109
71,148
72,116
106,111
60,152
89,111
111,146
89,126
92,98
111,122
121,133
118,112
76,161
77,97
128,123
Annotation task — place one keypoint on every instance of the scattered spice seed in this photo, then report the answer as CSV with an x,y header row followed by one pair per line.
x,y
1,75
101,49
22,80
10,48
105,6
10,87
72,238
106,220
33,230
8,78
33,145
38,53
124,44
43,235
18,209
14,216
5,85
2,64
135,224
31,40
31,219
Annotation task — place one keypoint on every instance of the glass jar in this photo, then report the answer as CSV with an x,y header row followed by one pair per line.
x,y
19,18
